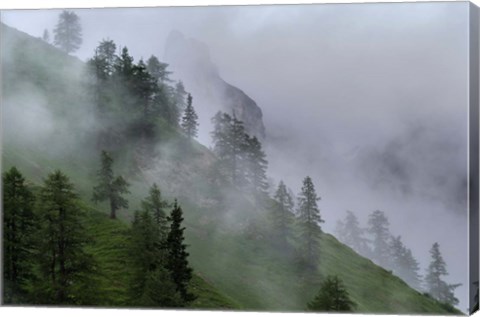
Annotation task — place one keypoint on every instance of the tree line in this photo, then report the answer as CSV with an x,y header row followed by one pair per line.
x,y
47,259
377,243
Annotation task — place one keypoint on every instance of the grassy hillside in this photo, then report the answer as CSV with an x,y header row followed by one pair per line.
x,y
230,250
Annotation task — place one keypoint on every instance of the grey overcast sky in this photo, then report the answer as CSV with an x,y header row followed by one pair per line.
x,y
368,99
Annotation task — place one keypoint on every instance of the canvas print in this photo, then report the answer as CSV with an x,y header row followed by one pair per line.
x,y
283,158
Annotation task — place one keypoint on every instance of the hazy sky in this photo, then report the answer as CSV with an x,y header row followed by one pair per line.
x,y
368,99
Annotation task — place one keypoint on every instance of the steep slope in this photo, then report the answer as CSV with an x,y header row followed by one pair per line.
x,y
190,60
228,239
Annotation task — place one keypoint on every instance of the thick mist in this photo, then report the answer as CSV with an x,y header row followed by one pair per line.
x,y
369,100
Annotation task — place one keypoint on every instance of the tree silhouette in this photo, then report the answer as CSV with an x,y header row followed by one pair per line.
x,y
68,32
332,296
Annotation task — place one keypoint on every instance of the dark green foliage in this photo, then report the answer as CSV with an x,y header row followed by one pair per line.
x,y
404,264
179,96
155,205
177,256
436,286
350,233
190,120
18,233
241,158
103,60
64,266
333,296
68,32
379,229
109,187
282,215
309,220
256,166
147,254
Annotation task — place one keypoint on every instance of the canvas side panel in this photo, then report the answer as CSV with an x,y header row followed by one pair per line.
x,y
474,156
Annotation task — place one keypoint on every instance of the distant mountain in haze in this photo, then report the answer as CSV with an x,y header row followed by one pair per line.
x,y
190,60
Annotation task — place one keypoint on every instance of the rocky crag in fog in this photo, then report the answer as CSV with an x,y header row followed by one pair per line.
x,y
190,61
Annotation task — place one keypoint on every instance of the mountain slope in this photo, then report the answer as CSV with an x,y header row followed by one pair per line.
x,y
228,238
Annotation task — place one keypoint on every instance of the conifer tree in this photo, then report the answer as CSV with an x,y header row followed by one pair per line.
x,y
109,187
158,69
256,166
104,59
64,263
46,36
309,220
332,296
177,256
282,214
151,284
68,32
190,120
403,263
155,205
379,229
436,286
18,230
350,233
179,96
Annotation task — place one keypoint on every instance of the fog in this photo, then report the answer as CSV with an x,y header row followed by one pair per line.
x,y
369,100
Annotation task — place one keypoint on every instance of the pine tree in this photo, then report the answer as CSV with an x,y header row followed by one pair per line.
x,y
109,187
18,230
350,233
68,32
155,205
379,229
333,296
256,167
177,256
309,220
437,287
104,59
148,274
190,120
46,36
282,214
179,96
403,263
158,69
64,263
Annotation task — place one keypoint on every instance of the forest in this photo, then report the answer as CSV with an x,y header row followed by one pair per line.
x,y
132,211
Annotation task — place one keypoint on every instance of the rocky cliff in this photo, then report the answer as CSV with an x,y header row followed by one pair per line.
x,y
190,61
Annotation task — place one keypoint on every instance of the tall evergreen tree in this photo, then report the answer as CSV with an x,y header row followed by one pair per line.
x,y
190,120
256,166
379,229
68,32
18,230
104,59
282,214
64,263
333,296
46,36
177,257
404,264
109,187
179,96
150,285
309,220
350,233
156,205
158,69
436,286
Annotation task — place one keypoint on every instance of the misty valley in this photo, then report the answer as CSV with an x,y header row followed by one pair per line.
x,y
142,181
